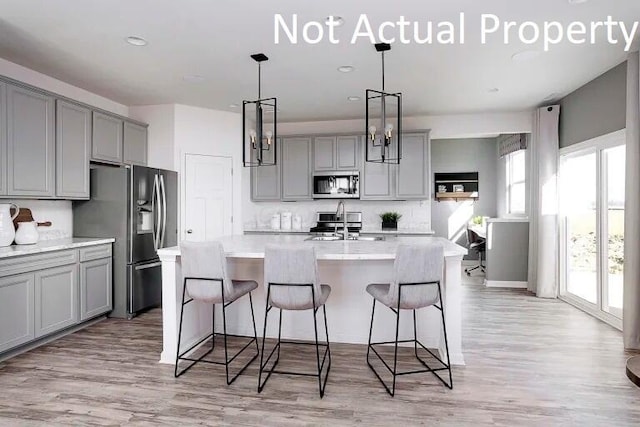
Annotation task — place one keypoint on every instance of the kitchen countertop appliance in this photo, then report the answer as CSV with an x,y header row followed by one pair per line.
x,y
336,185
138,206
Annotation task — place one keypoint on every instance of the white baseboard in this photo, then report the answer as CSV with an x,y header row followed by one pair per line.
x,y
505,284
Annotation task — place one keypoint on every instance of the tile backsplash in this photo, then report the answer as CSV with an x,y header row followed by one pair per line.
x,y
59,212
415,214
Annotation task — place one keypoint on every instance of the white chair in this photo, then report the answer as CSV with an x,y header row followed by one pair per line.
x,y
206,280
416,284
291,278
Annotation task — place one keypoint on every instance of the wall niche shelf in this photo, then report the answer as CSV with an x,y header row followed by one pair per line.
x,y
456,186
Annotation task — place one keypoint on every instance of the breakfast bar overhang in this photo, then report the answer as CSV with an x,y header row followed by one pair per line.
x,y
347,266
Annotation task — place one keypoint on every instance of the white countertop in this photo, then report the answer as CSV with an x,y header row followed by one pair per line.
x,y
52,245
364,231
252,246
512,219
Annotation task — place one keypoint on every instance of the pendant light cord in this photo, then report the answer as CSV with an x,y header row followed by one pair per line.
x,y
383,71
259,80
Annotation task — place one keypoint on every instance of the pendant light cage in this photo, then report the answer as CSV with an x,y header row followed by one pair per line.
x,y
259,127
383,122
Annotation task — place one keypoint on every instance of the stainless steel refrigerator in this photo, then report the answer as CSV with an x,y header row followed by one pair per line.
x,y
138,206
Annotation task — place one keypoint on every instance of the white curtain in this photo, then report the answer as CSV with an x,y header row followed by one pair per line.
x,y
543,217
631,306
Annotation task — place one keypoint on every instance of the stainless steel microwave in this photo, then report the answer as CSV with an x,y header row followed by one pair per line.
x,y
336,185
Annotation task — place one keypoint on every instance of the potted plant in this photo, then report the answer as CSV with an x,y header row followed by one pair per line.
x,y
390,220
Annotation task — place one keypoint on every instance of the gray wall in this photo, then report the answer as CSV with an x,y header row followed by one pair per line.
x,y
449,219
508,251
595,109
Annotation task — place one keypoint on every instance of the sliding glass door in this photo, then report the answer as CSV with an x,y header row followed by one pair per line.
x,y
591,179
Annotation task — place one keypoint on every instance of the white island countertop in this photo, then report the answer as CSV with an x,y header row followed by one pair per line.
x,y
52,245
253,246
364,232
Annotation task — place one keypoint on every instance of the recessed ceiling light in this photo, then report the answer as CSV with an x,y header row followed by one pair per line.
x,y
577,1
353,98
136,41
233,105
525,55
494,90
336,19
346,68
193,78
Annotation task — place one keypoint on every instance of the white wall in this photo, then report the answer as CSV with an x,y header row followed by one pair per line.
x,y
161,136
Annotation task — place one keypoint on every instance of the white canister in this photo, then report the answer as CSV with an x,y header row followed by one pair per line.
x,y
297,222
275,222
7,230
285,221
27,233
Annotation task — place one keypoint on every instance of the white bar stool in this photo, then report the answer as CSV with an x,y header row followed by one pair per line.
x,y
204,268
416,284
291,277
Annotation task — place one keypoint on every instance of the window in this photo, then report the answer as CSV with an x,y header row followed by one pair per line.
x,y
516,182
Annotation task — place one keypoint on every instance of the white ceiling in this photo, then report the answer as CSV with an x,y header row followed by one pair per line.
x,y
83,43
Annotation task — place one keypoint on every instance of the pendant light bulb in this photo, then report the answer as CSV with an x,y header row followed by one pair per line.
x,y
269,136
372,132
388,129
252,137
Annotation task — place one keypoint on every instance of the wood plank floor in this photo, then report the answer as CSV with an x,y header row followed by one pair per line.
x,y
529,362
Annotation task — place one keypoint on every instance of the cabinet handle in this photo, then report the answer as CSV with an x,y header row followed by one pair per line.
x,y
189,231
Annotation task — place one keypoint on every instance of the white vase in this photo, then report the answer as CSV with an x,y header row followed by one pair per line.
x,y
7,232
27,233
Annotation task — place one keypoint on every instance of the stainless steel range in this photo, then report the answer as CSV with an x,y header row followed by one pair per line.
x,y
331,222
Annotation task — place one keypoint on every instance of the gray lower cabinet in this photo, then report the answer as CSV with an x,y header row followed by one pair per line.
x,y
412,174
296,169
73,150
3,139
30,143
16,311
95,288
107,138
135,144
265,180
56,296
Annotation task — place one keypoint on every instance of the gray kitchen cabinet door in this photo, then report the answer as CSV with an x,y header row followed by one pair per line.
x,y
30,143
296,169
106,143
324,153
73,150
412,174
3,139
135,144
95,288
347,153
16,311
56,299
376,180
265,180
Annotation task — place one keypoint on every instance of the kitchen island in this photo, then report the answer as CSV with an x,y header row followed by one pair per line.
x,y
347,266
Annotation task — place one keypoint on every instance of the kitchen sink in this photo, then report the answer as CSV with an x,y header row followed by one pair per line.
x,y
324,238
339,238
369,239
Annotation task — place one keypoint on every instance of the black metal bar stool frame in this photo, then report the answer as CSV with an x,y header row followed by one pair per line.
x,y
227,361
320,365
393,370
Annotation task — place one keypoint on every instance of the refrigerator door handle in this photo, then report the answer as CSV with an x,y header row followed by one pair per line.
x,y
145,266
164,211
155,207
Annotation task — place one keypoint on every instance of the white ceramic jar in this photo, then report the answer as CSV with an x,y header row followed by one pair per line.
x,y
275,222
285,221
7,231
27,233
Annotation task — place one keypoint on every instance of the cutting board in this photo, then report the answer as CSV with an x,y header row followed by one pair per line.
x,y
25,215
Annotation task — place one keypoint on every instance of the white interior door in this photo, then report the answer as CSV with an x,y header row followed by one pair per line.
x,y
208,197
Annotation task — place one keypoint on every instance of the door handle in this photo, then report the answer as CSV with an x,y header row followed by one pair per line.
x,y
144,267
154,208
189,231
164,212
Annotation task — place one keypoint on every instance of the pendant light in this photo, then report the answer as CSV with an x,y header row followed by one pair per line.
x,y
259,126
383,123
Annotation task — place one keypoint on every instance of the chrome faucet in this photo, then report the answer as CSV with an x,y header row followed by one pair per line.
x,y
341,212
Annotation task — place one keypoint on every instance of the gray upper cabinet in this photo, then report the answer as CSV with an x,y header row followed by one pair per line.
x,y
107,138
347,153
376,180
296,169
265,180
3,139
30,143
412,174
56,297
324,153
16,311
135,144
73,150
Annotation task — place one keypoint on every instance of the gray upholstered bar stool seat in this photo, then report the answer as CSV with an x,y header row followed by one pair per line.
x,y
204,268
291,278
418,272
